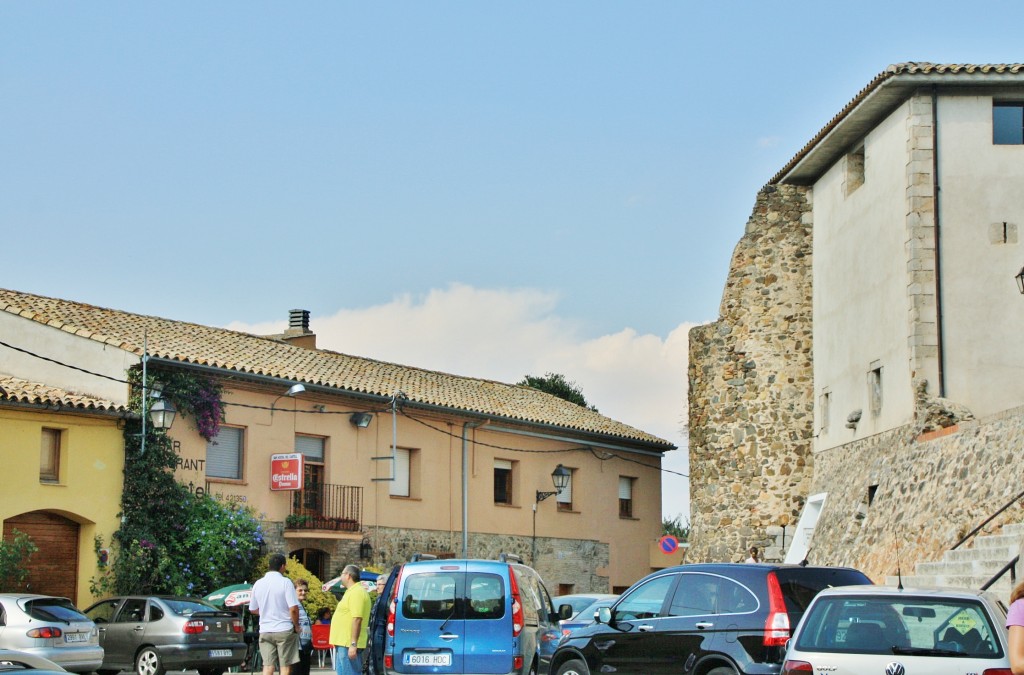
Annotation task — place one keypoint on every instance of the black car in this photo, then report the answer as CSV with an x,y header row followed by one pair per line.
x,y
701,619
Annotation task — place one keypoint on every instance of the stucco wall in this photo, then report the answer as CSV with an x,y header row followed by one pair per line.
x,y
750,404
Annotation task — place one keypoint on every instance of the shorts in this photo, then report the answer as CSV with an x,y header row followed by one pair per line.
x,y
279,649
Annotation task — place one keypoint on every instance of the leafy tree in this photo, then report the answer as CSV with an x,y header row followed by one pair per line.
x,y
678,527
556,384
15,553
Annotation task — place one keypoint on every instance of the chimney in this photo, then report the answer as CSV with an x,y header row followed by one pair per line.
x,y
298,332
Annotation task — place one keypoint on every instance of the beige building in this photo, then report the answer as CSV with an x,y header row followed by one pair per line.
x,y
395,459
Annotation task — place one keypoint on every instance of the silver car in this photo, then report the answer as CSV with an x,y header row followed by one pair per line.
x,y
49,627
13,661
152,634
854,630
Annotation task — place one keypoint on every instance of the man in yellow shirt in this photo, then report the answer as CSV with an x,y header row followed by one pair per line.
x,y
349,625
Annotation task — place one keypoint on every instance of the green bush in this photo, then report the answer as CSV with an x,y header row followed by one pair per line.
x,y
15,554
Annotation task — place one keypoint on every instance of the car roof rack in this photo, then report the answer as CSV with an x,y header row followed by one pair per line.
x,y
511,557
416,557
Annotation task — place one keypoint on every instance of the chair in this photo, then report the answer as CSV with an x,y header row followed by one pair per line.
x,y
321,642
866,636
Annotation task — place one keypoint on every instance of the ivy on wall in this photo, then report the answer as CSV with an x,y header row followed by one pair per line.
x,y
170,540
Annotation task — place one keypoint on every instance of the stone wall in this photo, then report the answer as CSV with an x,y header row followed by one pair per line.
x,y
559,561
920,493
751,388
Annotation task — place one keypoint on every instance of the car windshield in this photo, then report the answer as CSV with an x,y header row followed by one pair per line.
x,y
909,625
189,607
577,602
53,609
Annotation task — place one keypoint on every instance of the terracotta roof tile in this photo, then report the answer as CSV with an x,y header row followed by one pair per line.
x,y
17,390
259,355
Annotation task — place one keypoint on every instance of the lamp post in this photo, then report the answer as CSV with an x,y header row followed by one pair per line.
x,y
560,478
161,412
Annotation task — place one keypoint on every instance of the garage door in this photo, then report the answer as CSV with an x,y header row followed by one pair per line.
x,y
53,569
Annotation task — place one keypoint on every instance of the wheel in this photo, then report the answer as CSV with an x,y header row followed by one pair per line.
x,y
722,670
148,663
575,667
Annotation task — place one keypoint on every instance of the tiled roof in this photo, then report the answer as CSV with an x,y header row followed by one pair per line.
x,y
260,355
915,74
16,390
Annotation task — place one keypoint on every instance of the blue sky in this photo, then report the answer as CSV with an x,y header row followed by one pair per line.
x,y
491,189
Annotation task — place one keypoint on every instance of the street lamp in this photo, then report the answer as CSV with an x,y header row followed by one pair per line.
x,y
560,477
293,391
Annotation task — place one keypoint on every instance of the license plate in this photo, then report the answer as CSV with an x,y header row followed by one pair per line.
x,y
220,653
428,659
76,637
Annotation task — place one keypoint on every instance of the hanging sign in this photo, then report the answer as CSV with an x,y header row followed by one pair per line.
x,y
286,471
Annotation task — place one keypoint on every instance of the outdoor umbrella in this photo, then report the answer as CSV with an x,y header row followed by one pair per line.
x,y
367,579
231,596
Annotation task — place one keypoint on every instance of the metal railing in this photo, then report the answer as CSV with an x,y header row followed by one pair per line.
x,y
326,507
987,521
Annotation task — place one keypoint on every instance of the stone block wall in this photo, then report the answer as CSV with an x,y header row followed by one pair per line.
x,y
751,387
918,493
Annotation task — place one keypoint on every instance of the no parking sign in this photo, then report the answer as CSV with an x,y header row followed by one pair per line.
x,y
668,544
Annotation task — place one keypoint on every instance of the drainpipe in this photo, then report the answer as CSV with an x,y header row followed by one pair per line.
x,y
465,483
940,352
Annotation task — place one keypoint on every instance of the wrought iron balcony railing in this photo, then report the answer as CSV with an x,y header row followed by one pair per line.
x,y
326,507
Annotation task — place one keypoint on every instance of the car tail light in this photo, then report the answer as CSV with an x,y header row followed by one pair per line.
x,y
997,671
194,626
389,661
236,626
45,632
517,663
393,605
796,667
517,606
776,626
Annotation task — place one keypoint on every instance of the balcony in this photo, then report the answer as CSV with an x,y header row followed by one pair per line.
x,y
335,508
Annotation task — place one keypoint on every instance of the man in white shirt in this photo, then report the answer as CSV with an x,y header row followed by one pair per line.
x,y
276,604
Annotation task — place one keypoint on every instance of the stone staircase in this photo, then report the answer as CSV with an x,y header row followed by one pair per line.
x,y
971,567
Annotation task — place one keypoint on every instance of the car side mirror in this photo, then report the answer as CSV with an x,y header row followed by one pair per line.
x,y
565,612
604,615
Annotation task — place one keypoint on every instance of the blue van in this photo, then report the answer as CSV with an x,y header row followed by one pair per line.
x,y
470,616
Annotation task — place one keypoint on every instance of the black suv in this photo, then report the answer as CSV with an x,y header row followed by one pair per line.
x,y
701,619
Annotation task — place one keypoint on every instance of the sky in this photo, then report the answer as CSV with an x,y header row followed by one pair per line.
x,y
491,189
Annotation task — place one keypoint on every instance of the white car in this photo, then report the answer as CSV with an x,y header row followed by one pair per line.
x,y
858,630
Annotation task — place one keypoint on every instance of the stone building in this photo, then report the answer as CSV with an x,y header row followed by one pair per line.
x,y
861,390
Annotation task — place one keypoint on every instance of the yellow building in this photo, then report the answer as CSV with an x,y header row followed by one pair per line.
x,y
394,459
63,459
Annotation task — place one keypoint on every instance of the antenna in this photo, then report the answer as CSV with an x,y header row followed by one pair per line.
x,y
899,575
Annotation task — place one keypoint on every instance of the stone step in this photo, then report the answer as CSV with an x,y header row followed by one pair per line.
x,y
998,540
1004,553
1015,529
972,567
1001,588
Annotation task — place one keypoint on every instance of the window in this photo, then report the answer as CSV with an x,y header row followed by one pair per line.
x,y
645,601
854,170
407,473
49,456
564,497
312,450
1008,123
566,589
875,388
224,454
503,472
626,497
825,408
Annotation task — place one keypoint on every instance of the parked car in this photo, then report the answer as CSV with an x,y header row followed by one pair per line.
x,y
470,616
714,619
584,608
13,661
154,633
876,629
50,627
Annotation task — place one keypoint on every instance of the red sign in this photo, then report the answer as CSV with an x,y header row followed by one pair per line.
x,y
668,544
286,471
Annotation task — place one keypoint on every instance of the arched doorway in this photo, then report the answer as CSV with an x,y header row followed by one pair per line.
x,y
53,569
314,560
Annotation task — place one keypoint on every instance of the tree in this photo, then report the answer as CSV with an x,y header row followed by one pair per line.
x,y
556,384
678,527
15,553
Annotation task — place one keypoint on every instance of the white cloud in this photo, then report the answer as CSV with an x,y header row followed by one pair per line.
x,y
766,142
505,334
